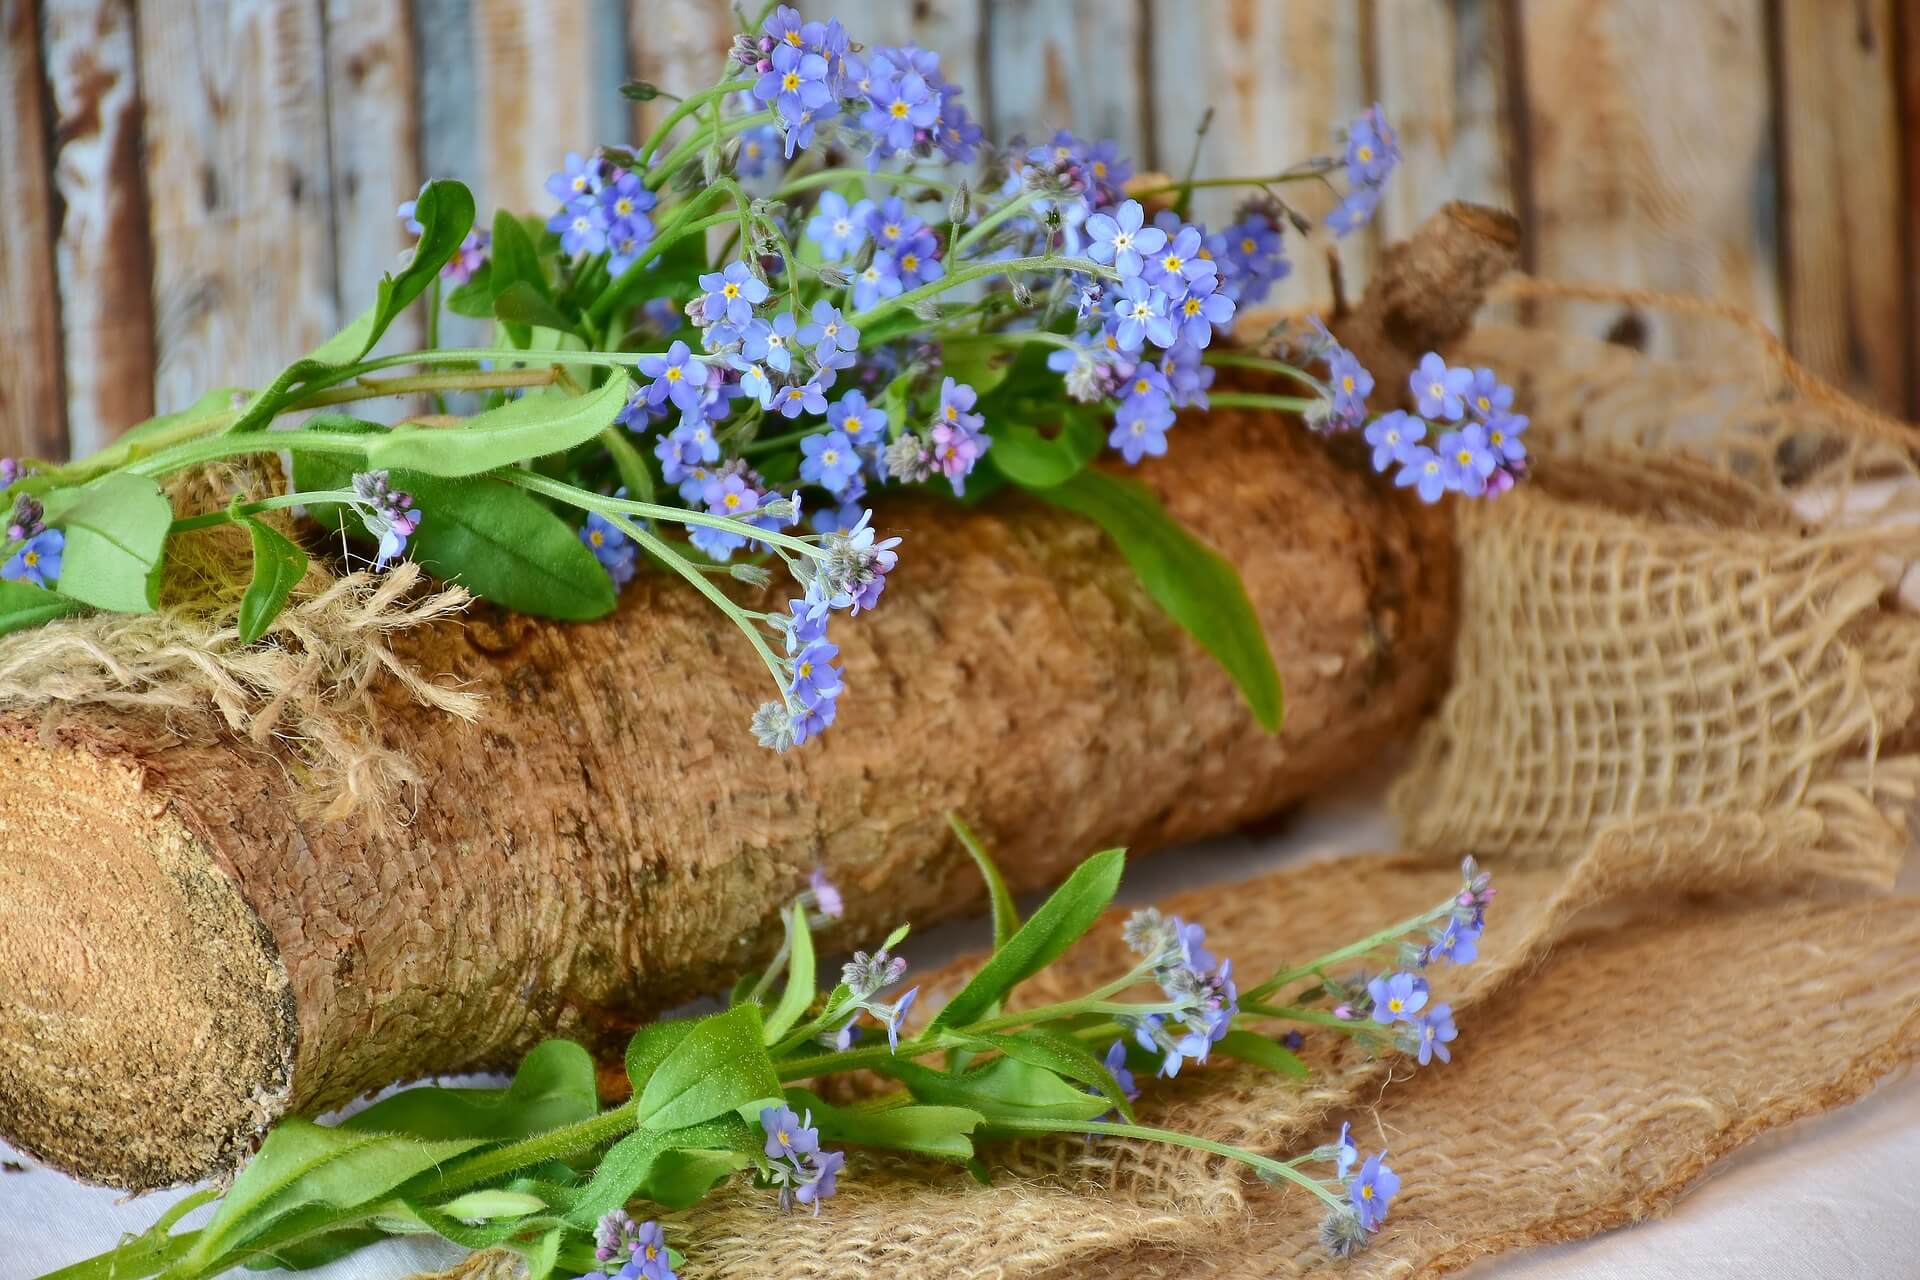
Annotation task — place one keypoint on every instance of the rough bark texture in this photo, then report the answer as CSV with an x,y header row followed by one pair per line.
x,y
183,958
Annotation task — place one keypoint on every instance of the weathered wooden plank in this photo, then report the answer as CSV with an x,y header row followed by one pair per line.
x,y
243,275
1846,304
534,61
103,256
1650,157
1282,76
372,136
32,409
1066,64
680,48
1440,72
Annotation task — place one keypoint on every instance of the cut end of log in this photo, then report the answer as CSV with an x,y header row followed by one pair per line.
x,y
107,900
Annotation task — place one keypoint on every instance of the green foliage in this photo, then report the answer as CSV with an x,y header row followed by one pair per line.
x,y
942,1132
1248,1046
721,1065
554,1087
1027,457
533,425
278,566
1184,576
1006,916
1059,922
1003,1089
494,539
1063,1056
116,535
24,605
800,982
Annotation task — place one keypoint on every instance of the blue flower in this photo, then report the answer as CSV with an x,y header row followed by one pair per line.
x,y
1397,997
685,448
1178,264
1142,313
1421,468
780,339
679,376
1372,1191
1503,436
891,224
1351,383
896,1016
1205,309
1120,240
1354,212
37,560
578,182
837,227
1344,1152
1116,1064
956,133
1467,459
1439,390
879,279
1257,253
755,384
901,106
1433,1031
814,675
862,423
732,294
919,260
1147,392
956,399
788,1136
1457,941
795,85
1487,398
756,150
819,1183
1392,435
610,546
1142,434
828,333
582,228
1372,148
829,460
626,202
804,397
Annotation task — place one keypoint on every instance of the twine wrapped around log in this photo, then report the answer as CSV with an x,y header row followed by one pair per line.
x,y
606,840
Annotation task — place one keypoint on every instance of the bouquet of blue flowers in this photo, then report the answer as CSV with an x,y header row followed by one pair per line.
x,y
815,280
735,1098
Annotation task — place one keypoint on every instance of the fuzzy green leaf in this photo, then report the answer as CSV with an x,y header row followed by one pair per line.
x,y
1062,1055
632,1165
1004,1089
1029,458
936,1131
1262,1052
800,977
520,303
530,427
1006,916
278,566
116,535
445,213
1198,589
24,605
555,1086
720,1066
1059,922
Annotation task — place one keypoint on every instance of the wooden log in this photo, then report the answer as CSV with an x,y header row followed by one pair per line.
x,y
183,957
32,413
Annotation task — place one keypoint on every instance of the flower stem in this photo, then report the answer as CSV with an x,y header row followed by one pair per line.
x,y
992,220
1257,400
587,500
977,271
195,452
687,107
276,503
1347,952
457,380
1226,359
826,177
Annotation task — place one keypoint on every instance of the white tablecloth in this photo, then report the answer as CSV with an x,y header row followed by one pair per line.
x,y
1835,1196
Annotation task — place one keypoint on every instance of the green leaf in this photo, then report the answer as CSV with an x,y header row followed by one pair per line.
x,y
24,605
522,304
116,535
491,1204
1037,461
445,213
1061,919
1004,1089
682,1176
1184,576
981,365
497,541
1062,1055
542,1255
650,1046
514,260
278,566
475,297
317,1251
208,408
302,1163
800,977
555,1086
1262,1052
721,1066
1006,916
632,1165
530,427
936,1131
635,474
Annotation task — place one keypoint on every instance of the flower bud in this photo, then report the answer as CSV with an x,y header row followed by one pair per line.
x,y
961,205
639,91
751,574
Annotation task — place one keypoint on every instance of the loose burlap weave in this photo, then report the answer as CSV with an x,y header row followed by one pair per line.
x,y
1679,735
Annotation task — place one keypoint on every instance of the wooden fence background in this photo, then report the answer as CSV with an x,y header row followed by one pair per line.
x,y
192,192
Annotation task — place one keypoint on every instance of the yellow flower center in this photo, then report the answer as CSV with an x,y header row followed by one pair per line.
x,y
1247,246
1365,153
910,262
830,457
898,111
1498,437
1484,403
1393,1005
891,231
1099,168
1191,306
1366,1192
673,373
1437,390
732,500
1346,383
1142,386
1173,262
830,330
790,82
623,206
1139,427
851,424
1463,457
31,558
597,538
792,38
953,414
729,290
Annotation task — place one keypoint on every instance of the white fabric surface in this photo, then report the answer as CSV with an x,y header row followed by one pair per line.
x,y
1834,1196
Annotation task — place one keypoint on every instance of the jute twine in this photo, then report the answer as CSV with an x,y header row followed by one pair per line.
x,y
1679,735
307,684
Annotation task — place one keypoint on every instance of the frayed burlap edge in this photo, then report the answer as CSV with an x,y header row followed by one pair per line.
x,y
305,686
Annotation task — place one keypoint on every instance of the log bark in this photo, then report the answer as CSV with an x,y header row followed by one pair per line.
x,y
183,957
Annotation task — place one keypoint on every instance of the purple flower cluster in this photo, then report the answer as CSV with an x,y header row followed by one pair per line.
x,y
865,977
803,72
611,546
1372,151
1195,982
602,209
794,1161
630,1250
1401,1000
1482,456
387,513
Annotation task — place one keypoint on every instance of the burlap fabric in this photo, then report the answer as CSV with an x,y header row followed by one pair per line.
x,y
1678,734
